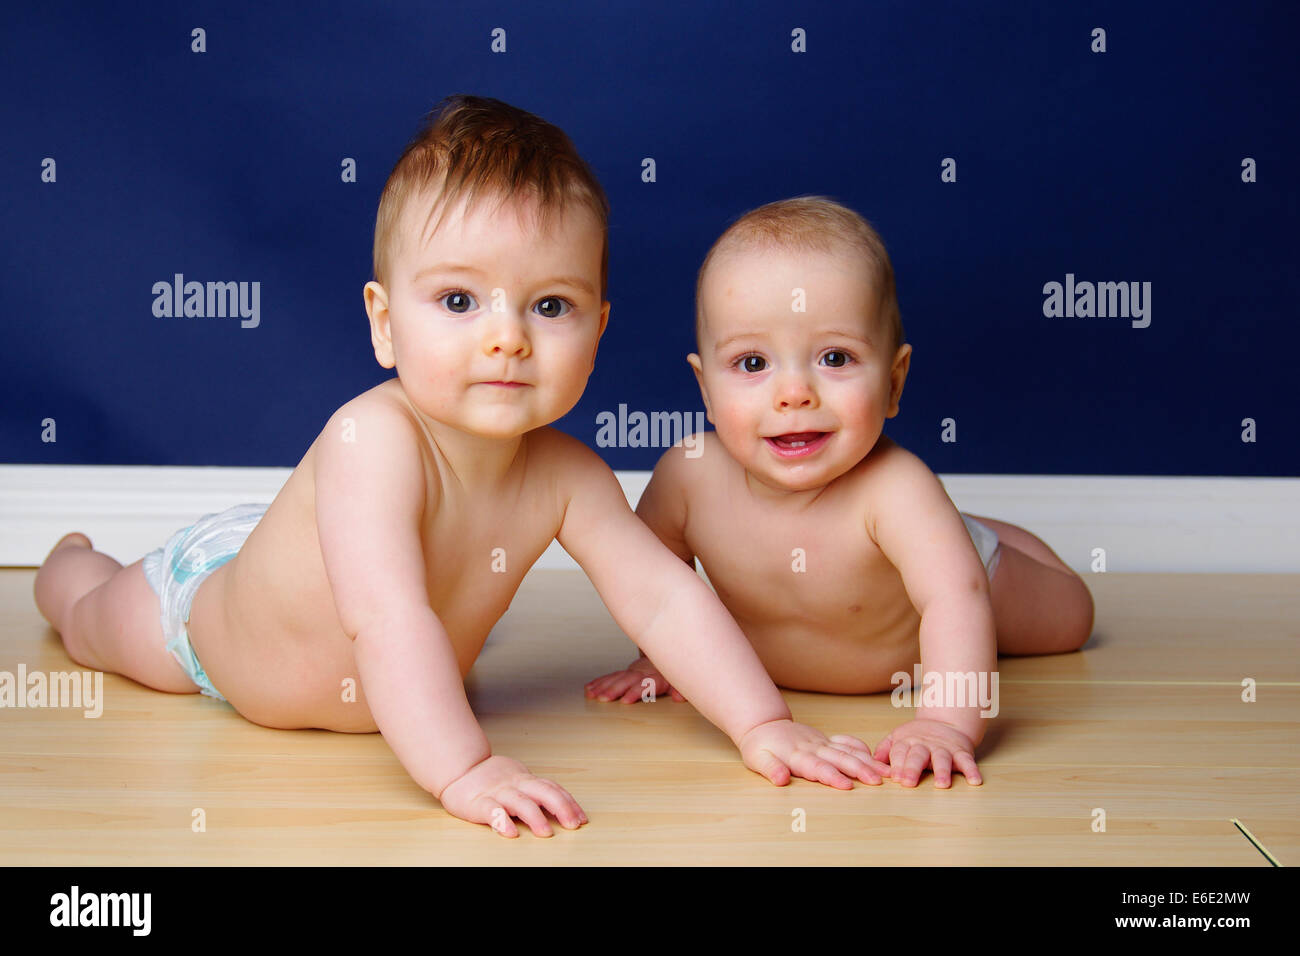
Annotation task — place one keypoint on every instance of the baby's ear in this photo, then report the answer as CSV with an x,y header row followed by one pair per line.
x,y
604,323
694,360
381,332
897,376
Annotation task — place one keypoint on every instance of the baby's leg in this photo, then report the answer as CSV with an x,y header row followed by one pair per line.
x,y
107,615
1039,604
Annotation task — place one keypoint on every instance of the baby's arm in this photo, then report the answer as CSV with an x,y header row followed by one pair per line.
x,y
663,510
919,530
663,504
370,501
672,615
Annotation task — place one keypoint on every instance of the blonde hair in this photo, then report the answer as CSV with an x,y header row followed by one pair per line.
x,y
810,224
476,145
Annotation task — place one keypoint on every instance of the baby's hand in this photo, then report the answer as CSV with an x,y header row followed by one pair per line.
x,y
628,683
918,744
780,748
499,788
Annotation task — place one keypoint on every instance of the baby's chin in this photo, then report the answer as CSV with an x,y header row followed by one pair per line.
x,y
787,487
503,428
792,480
788,477
790,484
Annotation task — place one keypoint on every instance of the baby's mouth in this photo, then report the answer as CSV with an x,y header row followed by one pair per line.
x,y
797,444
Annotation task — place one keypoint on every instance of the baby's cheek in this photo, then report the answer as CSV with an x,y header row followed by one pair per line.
x,y
861,410
568,386
424,376
733,424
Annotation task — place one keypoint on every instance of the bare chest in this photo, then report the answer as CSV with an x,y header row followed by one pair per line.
x,y
827,572
821,604
474,564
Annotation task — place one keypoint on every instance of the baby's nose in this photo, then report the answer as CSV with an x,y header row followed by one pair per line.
x,y
795,391
506,336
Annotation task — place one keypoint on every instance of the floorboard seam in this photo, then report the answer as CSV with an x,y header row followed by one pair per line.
x,y
1255,843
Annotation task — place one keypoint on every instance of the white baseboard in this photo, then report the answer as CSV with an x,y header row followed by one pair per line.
x,y
1232,525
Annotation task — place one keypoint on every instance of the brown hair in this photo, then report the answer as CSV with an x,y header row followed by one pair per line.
x,y
475,145
810,224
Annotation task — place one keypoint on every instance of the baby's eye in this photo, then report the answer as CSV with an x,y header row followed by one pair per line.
x,y
549,306
837,359
458,301
752,363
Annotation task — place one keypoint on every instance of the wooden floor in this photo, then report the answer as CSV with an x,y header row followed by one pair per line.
x,y
1146,723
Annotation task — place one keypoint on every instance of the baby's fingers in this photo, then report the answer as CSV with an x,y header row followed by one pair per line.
x,y
551,796
610,686
852,745
771,767
495,816
815,768
897,754
669,689
913,765
632,694
966,764
851,763
657,684
594,687
941,760
525,808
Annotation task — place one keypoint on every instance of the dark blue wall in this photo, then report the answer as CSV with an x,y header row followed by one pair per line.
x,y
225,166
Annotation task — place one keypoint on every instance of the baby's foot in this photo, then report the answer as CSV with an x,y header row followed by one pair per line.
x,y
50,587
73,539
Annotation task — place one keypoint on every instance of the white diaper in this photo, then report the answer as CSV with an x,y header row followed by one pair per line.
x,y
986,543
176,570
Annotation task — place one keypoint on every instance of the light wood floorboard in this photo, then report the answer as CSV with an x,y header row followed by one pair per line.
x,y
1146,723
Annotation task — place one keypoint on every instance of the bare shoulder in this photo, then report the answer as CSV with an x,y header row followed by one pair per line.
x,y
890,478
561,468
381,421
890,462
560,456
386,402
376,434
590,504
691,463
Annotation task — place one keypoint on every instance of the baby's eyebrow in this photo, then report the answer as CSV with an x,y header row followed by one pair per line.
x,y
723,343
451,267
847,335
576,281
823,333
448,267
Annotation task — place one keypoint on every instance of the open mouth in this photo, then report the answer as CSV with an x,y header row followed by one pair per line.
x,y
797,444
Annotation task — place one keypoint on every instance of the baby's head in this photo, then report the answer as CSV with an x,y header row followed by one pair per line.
x,y
801,352
491,260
